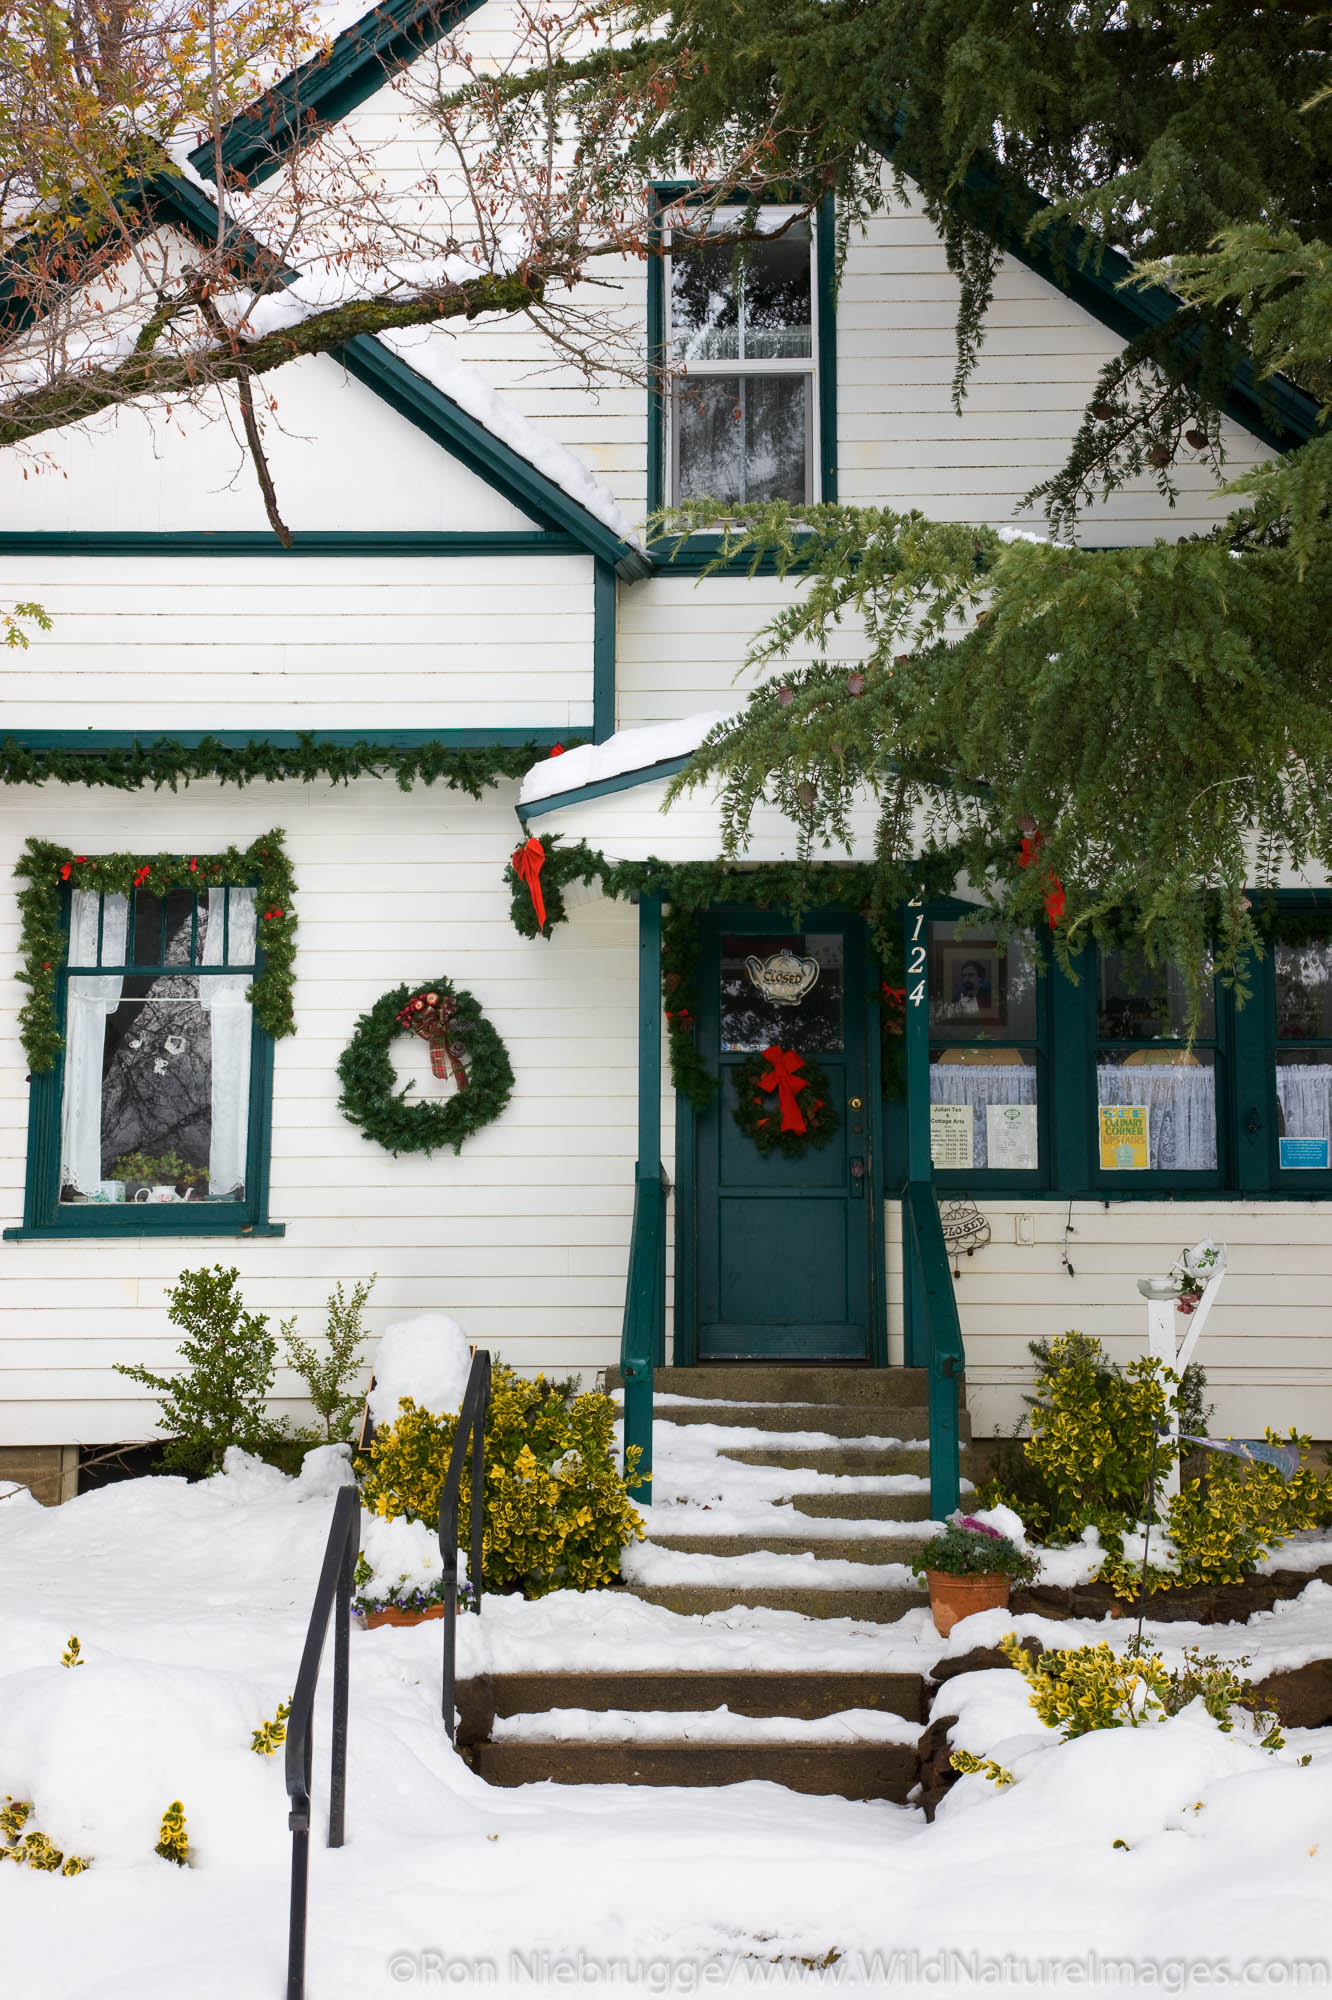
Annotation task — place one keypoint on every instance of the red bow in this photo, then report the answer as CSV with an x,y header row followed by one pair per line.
x,y
527,862
1056,902
782,1078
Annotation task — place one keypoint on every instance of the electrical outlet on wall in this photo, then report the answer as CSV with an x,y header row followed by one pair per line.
x,y
1024,1229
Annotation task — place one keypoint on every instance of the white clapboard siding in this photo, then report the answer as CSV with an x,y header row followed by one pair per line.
x,y
523,1236
1267,1345
341,459
159,643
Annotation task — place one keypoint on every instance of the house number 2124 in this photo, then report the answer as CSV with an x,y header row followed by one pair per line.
x,y
916,956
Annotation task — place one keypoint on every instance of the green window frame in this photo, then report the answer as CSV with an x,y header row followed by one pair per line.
x,y
1136,1057
824,301
45,1214
1029,1042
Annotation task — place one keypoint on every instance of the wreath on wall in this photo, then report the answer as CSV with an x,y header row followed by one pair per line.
x,y
782,1102
461,1041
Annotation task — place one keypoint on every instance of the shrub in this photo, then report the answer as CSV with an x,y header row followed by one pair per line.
x,y
1081,1688
329,1381
270,1736
172,1840
556,1511
968,1547
220,1396
1219,1530
33,1849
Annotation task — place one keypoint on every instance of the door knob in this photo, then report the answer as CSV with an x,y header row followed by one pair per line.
x,y
858,1178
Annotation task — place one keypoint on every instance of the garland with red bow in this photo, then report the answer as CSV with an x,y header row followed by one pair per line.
x,y
782,1102
460,1038
46,870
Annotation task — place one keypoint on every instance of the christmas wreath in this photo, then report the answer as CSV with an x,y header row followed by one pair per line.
x,y
782,1102
461,1041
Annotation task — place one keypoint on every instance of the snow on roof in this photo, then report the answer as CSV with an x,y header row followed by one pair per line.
x,y
628,750
429,351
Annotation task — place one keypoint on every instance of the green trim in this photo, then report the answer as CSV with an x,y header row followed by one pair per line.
x,y
359,62
319,542
604,605
23,1234
825,281
439,417
602,788
1094,273
289,739
685,1347
643,1330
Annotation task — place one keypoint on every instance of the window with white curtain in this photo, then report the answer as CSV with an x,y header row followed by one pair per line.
x,y
1302,976
742,345
155,1094
1156,1090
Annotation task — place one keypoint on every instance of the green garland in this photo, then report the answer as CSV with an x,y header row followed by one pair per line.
x,y
165,761
687,887
47,870
370,1094
757,1112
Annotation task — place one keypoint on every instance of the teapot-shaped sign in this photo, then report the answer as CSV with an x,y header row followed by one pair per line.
x,y
784,979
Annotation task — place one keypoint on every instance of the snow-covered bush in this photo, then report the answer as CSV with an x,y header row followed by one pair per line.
x,y
557,1512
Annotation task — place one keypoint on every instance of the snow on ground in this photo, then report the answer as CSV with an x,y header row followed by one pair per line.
x,y
191,1602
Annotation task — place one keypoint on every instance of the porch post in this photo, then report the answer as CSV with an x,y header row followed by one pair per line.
x,y
643,1338
920,1164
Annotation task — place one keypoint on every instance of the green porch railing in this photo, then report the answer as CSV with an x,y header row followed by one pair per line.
x,y
643,1334
934,1337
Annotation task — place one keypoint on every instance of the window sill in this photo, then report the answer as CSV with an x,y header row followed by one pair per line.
x,y
65,1232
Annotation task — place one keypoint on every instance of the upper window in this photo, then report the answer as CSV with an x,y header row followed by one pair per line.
x,y
159,1105
742,342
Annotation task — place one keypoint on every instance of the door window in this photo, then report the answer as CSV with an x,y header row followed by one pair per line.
x,y
784,987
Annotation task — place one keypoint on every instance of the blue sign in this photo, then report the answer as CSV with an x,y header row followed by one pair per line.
x,y
1304,1153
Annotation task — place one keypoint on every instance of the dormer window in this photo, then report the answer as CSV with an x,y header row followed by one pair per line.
x,y
742,339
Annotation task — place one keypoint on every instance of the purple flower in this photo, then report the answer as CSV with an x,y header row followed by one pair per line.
x,y
980,1527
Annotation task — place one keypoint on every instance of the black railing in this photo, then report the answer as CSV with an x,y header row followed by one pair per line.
x,y
471,1429
332,1600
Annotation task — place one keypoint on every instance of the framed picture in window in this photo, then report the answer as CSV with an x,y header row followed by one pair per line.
x,y
970,978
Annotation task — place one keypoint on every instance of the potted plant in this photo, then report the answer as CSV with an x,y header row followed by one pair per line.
x,y
400,1603
147,1171
970,1567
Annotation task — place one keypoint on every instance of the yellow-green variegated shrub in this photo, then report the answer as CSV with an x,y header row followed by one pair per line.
x,y
556,1512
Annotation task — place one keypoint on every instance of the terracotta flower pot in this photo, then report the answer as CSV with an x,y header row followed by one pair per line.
x,y
391,1614
954,1597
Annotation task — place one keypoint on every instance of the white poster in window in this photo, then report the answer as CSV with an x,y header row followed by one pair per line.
x,y
1010,1138
951,1136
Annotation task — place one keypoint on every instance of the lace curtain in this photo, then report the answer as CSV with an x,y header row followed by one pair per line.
x,y
1304,1093
92,997
979,1084
1181,1110
223,997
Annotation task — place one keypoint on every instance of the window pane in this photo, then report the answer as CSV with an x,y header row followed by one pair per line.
x,y
705,311
1303,991
776,430
156,1089
782,987
1156,1111
709,438
980,986
776,294
983,1110
1142,1003
1304,1106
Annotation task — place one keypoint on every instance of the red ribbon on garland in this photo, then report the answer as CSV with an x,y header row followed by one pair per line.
x,y
527,862
1056,902
782,1077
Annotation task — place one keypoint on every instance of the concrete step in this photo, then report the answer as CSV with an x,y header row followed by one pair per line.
x,y
863,1507
873,1606
851,1771
833,1548
804,1695
849,1420
861,1461
790,1383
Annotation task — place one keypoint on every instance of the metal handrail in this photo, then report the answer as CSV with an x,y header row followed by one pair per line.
x,y
333,1596
643,1330
471,1429
943,1354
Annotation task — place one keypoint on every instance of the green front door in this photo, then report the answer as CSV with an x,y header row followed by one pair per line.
x,y
784,1245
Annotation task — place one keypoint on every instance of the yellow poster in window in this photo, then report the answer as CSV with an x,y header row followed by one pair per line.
x,y
1124,1133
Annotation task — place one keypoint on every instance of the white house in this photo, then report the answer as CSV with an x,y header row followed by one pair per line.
x,y
469,576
